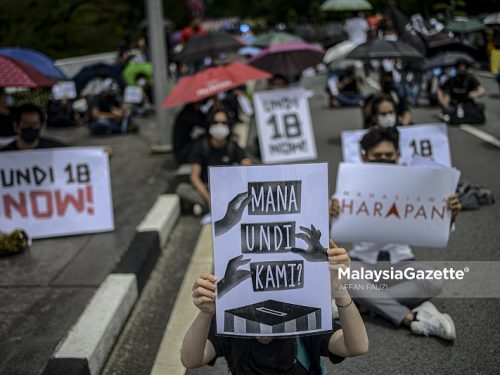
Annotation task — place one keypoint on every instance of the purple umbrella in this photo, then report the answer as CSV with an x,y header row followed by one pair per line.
x,y
288,59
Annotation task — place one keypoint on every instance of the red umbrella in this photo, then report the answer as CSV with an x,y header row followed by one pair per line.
x,y
210,82
18,74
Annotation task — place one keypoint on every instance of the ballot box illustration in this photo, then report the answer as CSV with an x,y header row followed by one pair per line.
x,y
270,316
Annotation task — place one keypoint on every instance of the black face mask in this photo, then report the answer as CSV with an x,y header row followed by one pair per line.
x,y
30,134
384,161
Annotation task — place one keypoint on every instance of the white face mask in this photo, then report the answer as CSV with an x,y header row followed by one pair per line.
x,y
142,82
219,131
387,121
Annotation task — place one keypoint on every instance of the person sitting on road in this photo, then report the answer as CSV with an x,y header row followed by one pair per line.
x,y
463,88
28,123
190,124
218,148
388,89
384,113
380,145
60,114
268,355
350,88
107,115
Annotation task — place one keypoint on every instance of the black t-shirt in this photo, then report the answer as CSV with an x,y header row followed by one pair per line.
x,y
186,121
204,154
261,358
42,143
459,87
104,104
352,86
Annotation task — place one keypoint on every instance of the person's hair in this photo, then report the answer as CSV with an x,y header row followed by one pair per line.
x,y
462,62
284,356
279,76
28,108
211,118
377,102
377,135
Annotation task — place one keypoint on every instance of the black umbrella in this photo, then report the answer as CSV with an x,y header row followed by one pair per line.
x,y
89,72
414,40
399,20
208,45
384,49
446,59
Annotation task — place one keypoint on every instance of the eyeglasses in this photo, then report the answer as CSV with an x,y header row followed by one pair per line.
x,y
30,125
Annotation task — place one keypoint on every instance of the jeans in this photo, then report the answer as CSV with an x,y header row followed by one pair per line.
x,y
350,99
106,126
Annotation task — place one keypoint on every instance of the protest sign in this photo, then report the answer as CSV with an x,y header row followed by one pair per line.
x,y
407,206
284,125
64,90
270,238
426,140
56,192
133,95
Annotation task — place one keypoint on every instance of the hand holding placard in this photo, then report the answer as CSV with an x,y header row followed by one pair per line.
x,y
337,258
204,293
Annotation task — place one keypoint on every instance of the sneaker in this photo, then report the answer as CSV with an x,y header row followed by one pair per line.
x,y
432,322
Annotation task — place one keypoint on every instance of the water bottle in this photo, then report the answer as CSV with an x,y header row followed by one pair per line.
x,y
460,111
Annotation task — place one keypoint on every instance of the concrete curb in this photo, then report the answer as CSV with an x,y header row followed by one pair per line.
x,y
88,343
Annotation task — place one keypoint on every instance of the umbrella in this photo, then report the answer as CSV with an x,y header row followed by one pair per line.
x,y
345,5
464,25
210,82
18,74
332,33
339,51
446,59
272,38
399,20
89,72
288,59
384,49
43,63
133,69
209,45
492,19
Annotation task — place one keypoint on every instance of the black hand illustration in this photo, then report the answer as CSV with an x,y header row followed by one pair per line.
x,y
233,214
233,276
315,252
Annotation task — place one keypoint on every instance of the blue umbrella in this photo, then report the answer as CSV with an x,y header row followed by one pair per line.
x,y
43,63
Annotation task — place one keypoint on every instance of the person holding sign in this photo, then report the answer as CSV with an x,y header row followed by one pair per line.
x,y
28,123
218,148
268,355
403,302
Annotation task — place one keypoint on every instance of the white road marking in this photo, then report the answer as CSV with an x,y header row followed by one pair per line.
x,y
168,357
481,135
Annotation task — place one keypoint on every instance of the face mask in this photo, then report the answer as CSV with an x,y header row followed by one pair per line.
x,y
30,134
219,131
387,121
383,161
141,82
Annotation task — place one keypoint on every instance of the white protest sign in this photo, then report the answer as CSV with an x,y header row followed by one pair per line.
x,y
407,206
56,192
426,140
62,90
284,125
270,236
133,95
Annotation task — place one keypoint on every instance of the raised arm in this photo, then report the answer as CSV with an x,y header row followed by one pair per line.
x,y
352,339
196,350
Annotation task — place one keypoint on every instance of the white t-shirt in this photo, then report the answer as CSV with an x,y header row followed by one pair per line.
x,y
356,29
